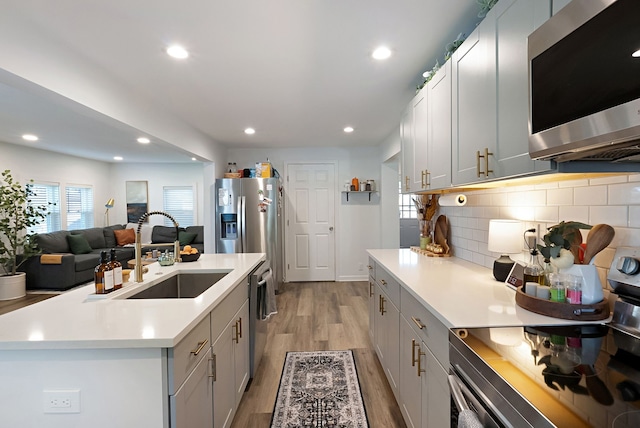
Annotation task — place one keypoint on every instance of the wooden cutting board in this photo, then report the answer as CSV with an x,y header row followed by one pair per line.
x,y
441,232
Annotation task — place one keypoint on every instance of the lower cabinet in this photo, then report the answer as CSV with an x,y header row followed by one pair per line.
x,y
412,346
231,374
209,368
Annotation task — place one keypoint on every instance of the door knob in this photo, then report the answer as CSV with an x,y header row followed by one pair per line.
x,y
330,228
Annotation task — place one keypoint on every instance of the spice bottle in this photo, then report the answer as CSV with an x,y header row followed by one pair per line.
x,y
103,275
574,290
533,272
117,270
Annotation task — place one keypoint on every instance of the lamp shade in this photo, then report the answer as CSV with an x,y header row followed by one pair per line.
x,y
505,236
110,203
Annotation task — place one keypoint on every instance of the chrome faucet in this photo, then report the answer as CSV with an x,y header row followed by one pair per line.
x,y
176,243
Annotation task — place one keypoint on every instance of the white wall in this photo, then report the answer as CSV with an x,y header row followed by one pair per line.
x,y
357,221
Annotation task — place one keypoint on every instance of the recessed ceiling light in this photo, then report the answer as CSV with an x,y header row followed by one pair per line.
x,y
194,159
348,129
249,131
636,54
118,158
382,52
177,51
144,140
30,137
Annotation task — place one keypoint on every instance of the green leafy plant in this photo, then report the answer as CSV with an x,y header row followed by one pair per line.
x,y
485,7
558,237
17,215
453,46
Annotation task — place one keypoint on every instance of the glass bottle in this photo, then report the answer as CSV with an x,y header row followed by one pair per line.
x,y
533,272
100,277
117,270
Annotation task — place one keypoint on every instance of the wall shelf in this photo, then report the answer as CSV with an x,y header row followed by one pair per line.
x,y
359,192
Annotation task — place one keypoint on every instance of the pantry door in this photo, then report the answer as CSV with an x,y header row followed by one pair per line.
x,y
309,219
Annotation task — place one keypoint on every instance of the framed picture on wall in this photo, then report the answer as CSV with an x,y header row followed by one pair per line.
x,y
137,200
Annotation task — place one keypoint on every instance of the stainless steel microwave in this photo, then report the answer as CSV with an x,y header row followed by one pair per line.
x,y
584,83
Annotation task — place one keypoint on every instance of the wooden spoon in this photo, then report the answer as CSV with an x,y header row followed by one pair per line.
x,y
598,238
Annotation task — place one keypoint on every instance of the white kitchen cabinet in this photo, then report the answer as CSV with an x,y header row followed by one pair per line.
x,y
406,147
387,327
514,21
420,126
231,360
424,391
191,404
474,105
438,174
372,298
559,4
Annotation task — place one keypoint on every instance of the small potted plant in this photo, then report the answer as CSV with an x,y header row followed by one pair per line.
x,y
561,243
17,216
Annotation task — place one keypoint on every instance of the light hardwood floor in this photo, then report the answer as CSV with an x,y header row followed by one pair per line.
x,y
316,316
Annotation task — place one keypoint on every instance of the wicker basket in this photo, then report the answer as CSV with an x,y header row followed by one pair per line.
x,y
232,175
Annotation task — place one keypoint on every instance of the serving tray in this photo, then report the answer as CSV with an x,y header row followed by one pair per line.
x,y
567,311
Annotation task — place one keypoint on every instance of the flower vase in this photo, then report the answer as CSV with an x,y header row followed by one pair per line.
x,y
425,233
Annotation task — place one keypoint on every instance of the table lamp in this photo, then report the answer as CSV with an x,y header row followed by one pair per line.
x,y
505,237
108,205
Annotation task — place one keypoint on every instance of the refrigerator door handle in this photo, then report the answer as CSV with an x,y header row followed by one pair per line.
x,y
243,221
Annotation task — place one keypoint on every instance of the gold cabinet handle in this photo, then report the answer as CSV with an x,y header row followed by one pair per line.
x,y
235,337
423,174
487,153
201,345
212,362
383,282
370,289
420,355
240,328
370,267
406,182
478,163
382,310
428,175
418,322
413,352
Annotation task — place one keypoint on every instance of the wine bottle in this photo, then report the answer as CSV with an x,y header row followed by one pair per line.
x,y
117,270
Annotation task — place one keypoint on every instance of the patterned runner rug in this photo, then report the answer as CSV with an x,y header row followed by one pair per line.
x,y
319,389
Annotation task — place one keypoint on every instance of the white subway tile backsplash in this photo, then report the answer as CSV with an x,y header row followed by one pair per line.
x,y
612,215
634,216
633,177
562,196
574,213
592,195
547,214
574,183
608,180
624,194
499,199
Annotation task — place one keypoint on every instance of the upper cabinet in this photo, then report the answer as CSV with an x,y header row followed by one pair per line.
x,y
426,136
475,125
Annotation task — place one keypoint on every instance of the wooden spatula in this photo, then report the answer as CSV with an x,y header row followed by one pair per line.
x,y
598,238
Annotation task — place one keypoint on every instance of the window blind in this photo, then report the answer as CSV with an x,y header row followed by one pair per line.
x,y
47,195
178,201
79,207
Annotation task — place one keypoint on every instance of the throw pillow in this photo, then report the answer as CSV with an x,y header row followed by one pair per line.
x,y
186,238
78,244
125,236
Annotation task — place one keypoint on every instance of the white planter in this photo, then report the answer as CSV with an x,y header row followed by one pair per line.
x,y
13,286
591,285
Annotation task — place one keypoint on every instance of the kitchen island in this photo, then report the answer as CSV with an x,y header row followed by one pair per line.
x,y
126,360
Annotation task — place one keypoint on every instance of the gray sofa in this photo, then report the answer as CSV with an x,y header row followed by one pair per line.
x,y
58,268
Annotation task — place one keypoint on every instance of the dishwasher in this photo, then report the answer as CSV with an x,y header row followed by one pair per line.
x,y
259,291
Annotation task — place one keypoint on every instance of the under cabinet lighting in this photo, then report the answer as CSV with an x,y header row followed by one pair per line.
x,y
30,137
177,51
636,54
144,140
118,158
194,159
249,131
382,52
348,129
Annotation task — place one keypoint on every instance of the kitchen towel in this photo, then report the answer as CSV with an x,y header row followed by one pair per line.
x,y
271,294
452,200
468,419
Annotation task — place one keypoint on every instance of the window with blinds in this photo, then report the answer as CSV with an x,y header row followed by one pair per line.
x,y
179,202
79,207
47,195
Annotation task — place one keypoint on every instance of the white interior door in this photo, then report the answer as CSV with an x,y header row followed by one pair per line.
x,y
310,237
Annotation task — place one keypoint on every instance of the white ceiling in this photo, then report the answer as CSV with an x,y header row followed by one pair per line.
x,y
298,71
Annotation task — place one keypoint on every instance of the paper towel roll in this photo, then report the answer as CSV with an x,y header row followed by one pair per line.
x,y
452,200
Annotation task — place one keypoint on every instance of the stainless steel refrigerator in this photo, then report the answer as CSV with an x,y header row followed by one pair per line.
x,y
249,219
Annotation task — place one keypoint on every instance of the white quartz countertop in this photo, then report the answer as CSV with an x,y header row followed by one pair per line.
x,y
461,294
77,320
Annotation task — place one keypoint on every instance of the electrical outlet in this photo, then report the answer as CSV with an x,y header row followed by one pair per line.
x,y
61,401
360,267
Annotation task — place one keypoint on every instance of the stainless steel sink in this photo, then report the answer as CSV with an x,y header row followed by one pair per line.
x,y
181,286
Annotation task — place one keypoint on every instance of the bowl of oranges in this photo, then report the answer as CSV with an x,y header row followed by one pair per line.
x,y
189,254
